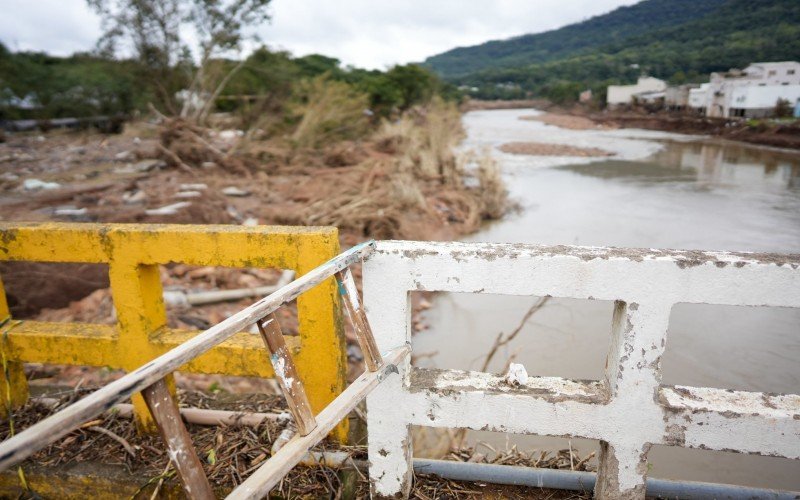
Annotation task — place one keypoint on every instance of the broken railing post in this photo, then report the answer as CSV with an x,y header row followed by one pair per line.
x,y
179,444
349,292
268,475
286,374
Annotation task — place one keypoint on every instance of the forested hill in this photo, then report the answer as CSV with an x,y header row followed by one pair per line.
x,y
671,39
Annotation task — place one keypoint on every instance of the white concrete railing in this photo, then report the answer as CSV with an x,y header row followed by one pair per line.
x,y
629,410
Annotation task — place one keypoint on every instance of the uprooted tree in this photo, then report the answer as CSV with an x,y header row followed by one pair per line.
x,y
176,42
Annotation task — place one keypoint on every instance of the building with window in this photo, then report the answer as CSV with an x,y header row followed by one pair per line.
x,y
623,94
753,91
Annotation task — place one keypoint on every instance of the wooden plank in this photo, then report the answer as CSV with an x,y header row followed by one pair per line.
x,y
36,437
179,443
268,475
286,374
366,340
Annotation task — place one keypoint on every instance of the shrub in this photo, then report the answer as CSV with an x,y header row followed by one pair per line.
x,y
329,111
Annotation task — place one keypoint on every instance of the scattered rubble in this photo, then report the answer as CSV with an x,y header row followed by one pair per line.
x,y
168,209
235,191
133,197
70,211
37,184
188,194
193,187
516,375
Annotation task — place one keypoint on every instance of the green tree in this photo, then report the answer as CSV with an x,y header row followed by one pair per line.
x,y
160,33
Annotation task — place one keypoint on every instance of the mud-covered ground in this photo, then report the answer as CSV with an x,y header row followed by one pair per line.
x,y
229,453
385,186
780,134
90,177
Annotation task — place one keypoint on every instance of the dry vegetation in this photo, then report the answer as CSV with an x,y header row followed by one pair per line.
x,y
231,452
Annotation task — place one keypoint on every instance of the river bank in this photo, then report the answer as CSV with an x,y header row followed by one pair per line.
x,y
764,132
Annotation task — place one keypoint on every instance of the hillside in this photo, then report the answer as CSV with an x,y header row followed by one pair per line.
x,y
673,39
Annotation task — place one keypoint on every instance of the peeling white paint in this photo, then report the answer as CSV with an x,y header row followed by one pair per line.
x,y
280,372
516,375
628,410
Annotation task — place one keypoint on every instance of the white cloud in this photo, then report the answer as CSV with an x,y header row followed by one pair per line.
x,y
365,33
59,27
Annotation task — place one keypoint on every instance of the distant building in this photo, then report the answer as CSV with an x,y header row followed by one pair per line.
x,y
624,94
698,98
746,92
651,98
676,98
760,101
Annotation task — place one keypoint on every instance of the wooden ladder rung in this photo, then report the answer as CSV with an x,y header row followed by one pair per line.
x,y
352,304
179,443
286,374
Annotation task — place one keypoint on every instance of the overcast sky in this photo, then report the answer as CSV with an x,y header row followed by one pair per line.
x,y
365,33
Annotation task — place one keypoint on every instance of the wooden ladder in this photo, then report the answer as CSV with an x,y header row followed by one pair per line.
x,y
149,379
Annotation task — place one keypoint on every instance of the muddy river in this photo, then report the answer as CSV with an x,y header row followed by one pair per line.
x,y
658,190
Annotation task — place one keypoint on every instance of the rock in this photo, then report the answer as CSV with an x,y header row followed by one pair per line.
x,y
147,165
37,184
127,169
124,156
233,213
70,211
516,375
176,299
133,197
188,194
354,353
168,209
250,221
208,164
193,187
8,176
235,191
230,135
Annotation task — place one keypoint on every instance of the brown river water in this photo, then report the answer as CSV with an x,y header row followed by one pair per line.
x,y
658,191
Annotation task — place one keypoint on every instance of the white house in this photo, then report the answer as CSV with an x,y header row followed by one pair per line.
x,y
774,75
624,94
698,98
760,101
677,97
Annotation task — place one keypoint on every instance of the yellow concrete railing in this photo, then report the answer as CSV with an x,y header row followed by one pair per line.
x,y
133,253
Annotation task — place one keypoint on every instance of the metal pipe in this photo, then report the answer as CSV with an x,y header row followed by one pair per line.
x,y
180,298
199,416
584,481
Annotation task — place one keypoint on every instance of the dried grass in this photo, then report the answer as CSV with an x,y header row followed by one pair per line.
x,y
330,111
423,176
423,140
229,454
494,195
